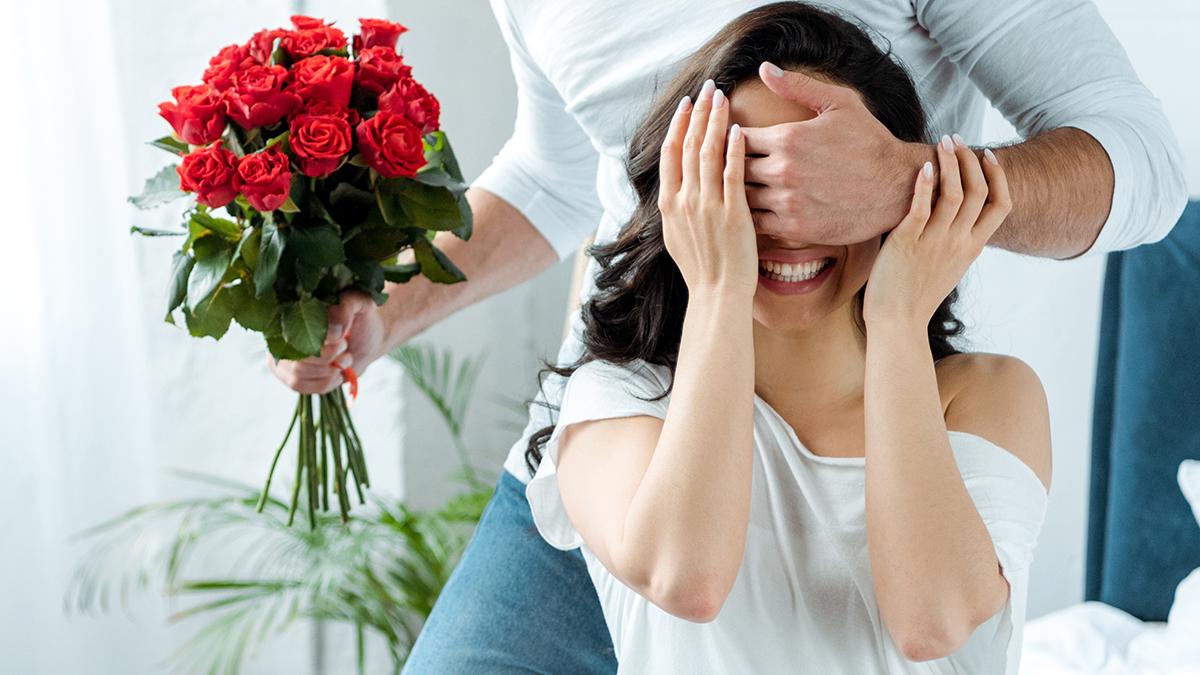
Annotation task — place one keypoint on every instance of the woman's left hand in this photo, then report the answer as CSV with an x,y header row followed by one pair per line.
x,y
927,254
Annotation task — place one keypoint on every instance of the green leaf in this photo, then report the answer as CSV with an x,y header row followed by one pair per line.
x,y
439,153
248,248
289,206
181,268
319,246
161,188
150,232
358,160
435,265
253,312
380,243
226,229
399,274
171,144
281,350
390,206
308,275
428,207
269,252
211,318
305,323
212,262
464,208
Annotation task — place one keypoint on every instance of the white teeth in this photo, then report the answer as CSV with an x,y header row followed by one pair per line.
x,y
793,272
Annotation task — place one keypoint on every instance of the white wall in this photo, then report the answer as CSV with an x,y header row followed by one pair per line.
x,y
1048,313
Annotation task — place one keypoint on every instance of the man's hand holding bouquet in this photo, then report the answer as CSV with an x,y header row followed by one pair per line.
x,y
314,162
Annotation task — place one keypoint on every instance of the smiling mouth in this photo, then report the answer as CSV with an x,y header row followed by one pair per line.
x,y
793,273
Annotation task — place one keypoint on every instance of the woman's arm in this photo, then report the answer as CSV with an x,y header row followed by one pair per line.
x,y
933,561
665,505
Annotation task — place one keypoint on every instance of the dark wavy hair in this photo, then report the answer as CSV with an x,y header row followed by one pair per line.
x,y
640,298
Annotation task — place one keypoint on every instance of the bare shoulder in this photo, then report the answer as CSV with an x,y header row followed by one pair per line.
x,y
1000,398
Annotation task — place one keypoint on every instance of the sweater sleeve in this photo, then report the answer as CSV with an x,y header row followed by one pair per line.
x,y
547,169
1047,64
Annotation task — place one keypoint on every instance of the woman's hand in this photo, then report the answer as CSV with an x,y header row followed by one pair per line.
x,y
707,227
927,254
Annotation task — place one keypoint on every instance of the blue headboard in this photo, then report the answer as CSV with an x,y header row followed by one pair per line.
x,y
1142,537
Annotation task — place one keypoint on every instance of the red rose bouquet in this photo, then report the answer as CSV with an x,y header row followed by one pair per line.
x,y
314,163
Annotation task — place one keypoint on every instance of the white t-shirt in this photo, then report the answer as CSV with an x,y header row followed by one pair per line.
x,y
804,599
588,70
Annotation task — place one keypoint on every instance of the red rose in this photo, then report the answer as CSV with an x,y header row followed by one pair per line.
x,y
300,44
221,67
319,143
209,173
322,108
378,69
264,178
391,145
262,44
257,97
377,33
323,77
301,22
407,97
197,116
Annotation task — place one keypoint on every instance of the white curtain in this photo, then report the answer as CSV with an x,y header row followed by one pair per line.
x,y
99,397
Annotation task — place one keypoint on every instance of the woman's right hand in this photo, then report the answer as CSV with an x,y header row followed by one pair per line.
x,y
707,226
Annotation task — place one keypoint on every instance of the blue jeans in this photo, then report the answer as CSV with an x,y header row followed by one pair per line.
x,y
514,604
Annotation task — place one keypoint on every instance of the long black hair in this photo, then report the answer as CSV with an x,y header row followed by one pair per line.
x,y
637,310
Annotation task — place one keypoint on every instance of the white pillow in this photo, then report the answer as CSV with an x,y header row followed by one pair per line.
x,y
1183,623
1189,482
1177,647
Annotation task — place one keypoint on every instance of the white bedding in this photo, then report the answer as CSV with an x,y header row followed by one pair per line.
x,y
1096,639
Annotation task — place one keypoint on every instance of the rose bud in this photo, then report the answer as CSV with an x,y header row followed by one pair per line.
x,y
407,97
378,33
209,173
319,143
378,69
197,115
264,178
328,78
300,44
262,44
391,145
301,22
221,67
257,97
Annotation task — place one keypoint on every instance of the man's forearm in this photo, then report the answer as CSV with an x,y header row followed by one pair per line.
x,y
505,249
1062,188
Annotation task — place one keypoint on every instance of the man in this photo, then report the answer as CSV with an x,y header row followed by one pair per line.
x,y
1099,170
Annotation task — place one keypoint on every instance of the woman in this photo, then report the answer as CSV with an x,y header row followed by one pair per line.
x,y
771,454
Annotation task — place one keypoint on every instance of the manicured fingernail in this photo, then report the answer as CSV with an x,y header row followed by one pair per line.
x,y
335,332
683,103
947,144
718,98
344,361
927,169
773,69
990,156
735,132
706,90
958,140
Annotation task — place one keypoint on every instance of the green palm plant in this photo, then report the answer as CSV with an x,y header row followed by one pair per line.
x,y
379,573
